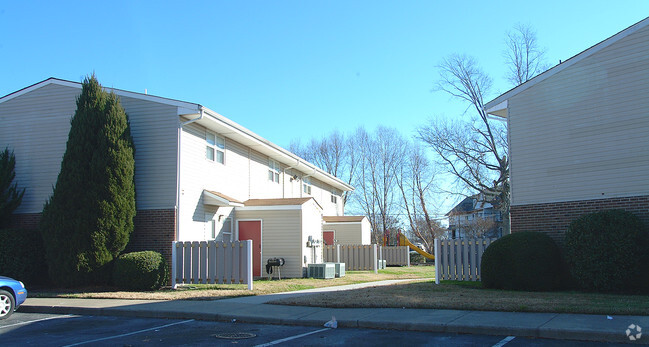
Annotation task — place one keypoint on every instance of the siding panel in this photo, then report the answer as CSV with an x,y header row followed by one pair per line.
x,y
593,119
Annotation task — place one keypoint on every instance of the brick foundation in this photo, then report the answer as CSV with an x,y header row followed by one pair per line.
x,y
155,230
554,218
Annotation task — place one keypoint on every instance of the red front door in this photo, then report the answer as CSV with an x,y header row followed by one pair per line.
x,y
328,237
251,230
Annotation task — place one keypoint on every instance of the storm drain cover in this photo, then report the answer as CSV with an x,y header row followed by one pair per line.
x,y
234,336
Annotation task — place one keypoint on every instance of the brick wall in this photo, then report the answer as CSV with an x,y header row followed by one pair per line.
x,y
155,230
554,218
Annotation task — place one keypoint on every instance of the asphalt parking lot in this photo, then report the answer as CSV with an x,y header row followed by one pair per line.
x,y
25,329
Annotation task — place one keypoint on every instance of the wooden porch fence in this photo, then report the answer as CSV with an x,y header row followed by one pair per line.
x,y
355,257
395,255
204,262
459,259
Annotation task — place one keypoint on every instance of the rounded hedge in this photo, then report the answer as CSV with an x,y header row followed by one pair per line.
x,y
22,256
606,251
523,261
146,270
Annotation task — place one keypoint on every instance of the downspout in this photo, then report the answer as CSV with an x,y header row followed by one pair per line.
x,y
284,176
178,158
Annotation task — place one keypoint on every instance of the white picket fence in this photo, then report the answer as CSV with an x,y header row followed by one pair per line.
x,y
355,257
459,259
195,262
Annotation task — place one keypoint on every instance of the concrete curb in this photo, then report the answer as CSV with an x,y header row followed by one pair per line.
x,y
313,317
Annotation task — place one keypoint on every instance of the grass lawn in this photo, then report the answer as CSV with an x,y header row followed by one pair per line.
x,y
471,296
260,287
423,293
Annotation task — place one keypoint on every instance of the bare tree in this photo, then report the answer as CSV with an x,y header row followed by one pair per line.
x,y
480,227
379,156
523,56
415,180
475,153
334,153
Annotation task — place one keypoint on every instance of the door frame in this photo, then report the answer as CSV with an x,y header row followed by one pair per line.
x,y
261,237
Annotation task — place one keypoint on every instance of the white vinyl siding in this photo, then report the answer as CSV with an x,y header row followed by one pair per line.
x,y
592,119
36,126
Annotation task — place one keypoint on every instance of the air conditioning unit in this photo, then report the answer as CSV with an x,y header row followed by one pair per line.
x,y
340,269
326,270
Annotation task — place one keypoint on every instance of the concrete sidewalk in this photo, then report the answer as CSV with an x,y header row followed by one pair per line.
x,y
255,309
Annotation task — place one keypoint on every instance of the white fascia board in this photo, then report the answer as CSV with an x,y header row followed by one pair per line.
x,y
499,110
230,129
566,64
269,208
341,223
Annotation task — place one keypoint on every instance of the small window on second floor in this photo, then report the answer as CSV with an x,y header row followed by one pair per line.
x,y
306,186
273,171
334,198
215,147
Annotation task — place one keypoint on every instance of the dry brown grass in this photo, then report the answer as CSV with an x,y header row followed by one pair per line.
x,y
470,296
260,287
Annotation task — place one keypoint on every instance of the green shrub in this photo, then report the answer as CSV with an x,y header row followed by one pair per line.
x,y
416,258
523,261
21,256
606,251
146,270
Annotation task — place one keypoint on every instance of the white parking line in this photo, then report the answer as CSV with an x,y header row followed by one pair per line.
x,y
504,341
34,321
291,338
129,334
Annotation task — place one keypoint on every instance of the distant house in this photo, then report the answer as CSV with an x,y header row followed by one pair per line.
x,y
579,135
473,217
199,176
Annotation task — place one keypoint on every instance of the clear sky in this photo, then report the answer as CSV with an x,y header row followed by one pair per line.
x,y
290,69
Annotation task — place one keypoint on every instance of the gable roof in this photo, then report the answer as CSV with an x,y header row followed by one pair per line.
x,y
213,121
498,106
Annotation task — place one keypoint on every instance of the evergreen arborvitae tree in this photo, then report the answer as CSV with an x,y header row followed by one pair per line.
x,y
89,217
10,195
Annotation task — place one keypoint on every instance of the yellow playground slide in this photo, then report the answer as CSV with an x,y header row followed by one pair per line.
x,y
404,241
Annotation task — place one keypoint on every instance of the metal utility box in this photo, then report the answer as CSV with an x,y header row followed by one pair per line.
x,y
340,269
325,270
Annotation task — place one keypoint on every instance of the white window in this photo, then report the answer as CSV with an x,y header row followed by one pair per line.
x,y
334,198
306,186
215,148
273,171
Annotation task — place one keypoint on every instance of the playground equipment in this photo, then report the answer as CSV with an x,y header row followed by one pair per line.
x,y
403,241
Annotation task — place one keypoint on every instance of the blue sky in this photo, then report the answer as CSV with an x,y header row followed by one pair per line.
x,y
290,69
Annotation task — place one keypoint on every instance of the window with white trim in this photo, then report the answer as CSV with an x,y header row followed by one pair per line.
x,y
306,186
273,171
215,147
334,198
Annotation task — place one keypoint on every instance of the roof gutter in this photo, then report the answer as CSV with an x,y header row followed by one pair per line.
x,y
200,115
